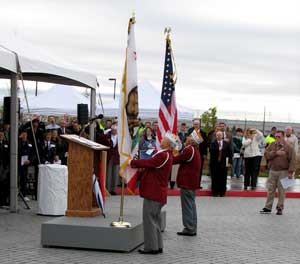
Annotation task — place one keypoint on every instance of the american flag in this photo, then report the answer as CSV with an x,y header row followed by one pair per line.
x,y
167,115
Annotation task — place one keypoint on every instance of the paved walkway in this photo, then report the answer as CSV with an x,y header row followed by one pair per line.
x,y
230,231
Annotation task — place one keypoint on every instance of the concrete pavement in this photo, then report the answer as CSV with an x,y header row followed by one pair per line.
x,y
230,230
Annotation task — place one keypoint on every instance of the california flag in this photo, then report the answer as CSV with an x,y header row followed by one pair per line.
x,y
127,119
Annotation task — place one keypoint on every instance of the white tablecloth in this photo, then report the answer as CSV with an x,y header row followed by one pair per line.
x,y
52,189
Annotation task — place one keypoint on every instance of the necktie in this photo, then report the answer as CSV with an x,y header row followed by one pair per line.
x,y
220,151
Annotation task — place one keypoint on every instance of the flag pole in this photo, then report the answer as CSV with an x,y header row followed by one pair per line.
x,y
121,223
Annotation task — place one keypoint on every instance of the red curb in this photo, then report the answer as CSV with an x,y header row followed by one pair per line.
x,y
230,193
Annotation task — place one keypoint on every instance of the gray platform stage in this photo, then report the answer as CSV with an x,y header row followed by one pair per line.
x,y
95,233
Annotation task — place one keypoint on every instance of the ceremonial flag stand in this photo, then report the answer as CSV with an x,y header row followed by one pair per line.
x,y
127,118
121,223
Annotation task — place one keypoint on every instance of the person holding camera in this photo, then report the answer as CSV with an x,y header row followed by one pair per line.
x,y
252,156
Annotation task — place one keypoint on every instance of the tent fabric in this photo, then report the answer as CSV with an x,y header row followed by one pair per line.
x,y
58,100
149,100
37,65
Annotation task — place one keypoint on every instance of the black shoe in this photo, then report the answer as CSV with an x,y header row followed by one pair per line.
x,y
200,187
279,211
160,250
253,188
186,234
245,188
265,211
150,252
113,193
172,185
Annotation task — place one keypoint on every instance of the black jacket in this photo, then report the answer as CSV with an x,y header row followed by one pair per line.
x,y
214,153
4,154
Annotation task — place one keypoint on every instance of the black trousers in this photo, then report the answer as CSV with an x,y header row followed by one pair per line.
x,y
218,178
36,177
4,186
23,171
252,166
201,169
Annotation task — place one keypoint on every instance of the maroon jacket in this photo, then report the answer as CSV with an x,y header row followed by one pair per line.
x,y
189,169
154,178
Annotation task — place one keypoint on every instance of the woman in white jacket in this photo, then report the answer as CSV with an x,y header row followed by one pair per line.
x,y
252,155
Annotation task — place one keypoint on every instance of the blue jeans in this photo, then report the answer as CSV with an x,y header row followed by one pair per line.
x,y
236,167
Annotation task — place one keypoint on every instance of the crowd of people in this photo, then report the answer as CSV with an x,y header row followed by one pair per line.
x,y
238,153
39,143
42,143
247,149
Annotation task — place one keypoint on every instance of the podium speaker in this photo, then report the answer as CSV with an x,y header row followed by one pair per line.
x,y
6,109
82,113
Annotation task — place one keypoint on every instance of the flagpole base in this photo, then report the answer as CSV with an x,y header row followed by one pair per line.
x,y
120,224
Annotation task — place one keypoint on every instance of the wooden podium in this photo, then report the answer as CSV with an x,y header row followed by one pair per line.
x,y
84,157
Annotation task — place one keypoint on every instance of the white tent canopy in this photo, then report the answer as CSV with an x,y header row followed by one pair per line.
x,y
39,66
35,66
58,100
149,100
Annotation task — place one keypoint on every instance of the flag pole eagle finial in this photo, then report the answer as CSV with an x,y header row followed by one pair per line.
x,y
133,15
167,31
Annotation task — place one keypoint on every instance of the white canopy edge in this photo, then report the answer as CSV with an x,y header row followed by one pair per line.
x,y
38,66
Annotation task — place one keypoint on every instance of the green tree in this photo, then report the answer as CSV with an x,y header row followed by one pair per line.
x,y
209,119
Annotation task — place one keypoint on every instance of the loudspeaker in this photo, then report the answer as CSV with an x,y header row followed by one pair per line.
x,y
6,109
82,113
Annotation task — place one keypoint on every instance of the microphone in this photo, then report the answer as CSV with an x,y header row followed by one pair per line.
x,y
96,117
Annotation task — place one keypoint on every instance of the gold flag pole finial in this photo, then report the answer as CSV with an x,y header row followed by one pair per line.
x,y
133,16
167,31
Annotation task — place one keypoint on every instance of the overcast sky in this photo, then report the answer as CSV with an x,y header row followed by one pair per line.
x,y
237,55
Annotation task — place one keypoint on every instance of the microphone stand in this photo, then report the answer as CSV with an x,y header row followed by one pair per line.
x,y
91,121
85,126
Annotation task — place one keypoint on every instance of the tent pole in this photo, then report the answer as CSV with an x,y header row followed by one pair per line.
x,y
92,113
14,145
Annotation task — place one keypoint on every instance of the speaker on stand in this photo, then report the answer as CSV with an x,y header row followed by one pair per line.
x,y
82,114
6,109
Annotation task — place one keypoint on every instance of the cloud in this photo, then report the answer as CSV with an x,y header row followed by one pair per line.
x,y
238,55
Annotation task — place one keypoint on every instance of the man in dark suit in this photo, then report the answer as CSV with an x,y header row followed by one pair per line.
x,y
113,160
220,151
37,131
182,134
25,156
63,128
227,136
48,150
4,170
202,145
